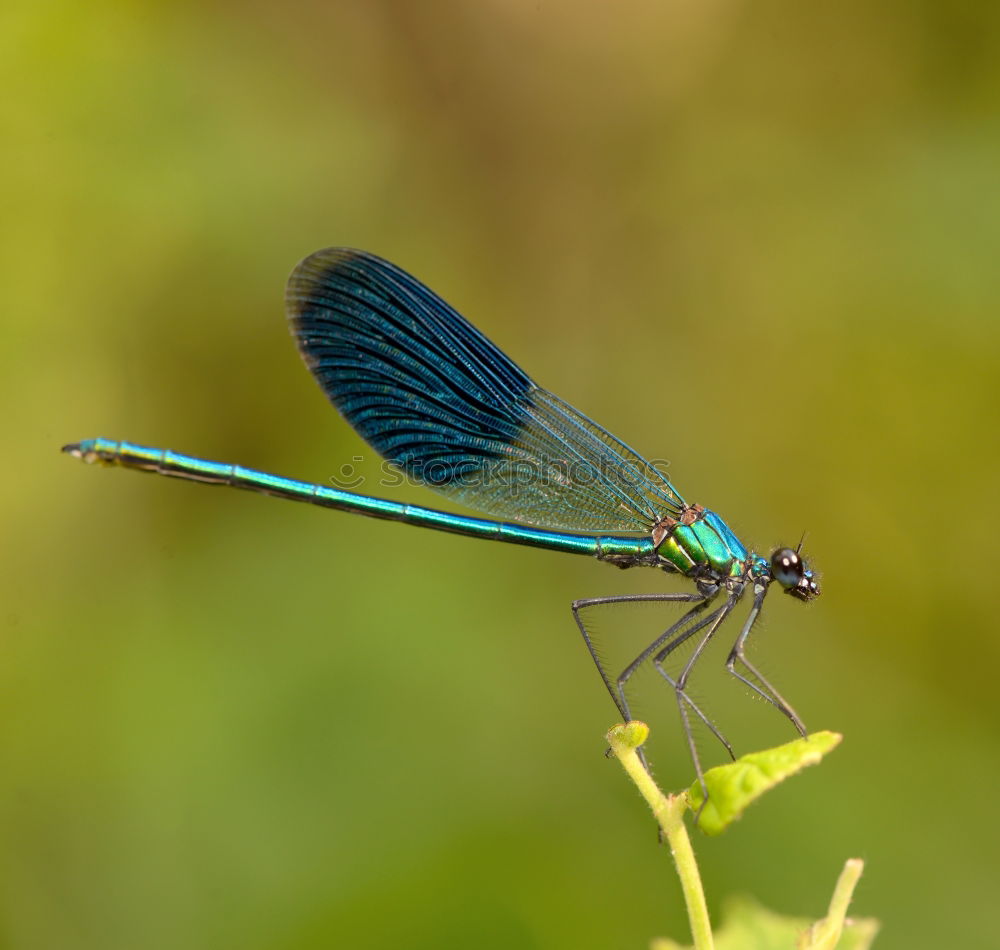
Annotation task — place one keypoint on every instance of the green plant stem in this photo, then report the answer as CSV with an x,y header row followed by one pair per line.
x,y
844,890
669,812
825,933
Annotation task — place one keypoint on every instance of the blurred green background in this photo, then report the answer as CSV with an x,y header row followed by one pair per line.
x,y
758,240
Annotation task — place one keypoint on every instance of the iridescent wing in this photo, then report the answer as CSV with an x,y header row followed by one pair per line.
x,y
430,393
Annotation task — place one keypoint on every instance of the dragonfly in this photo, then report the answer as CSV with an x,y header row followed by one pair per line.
x,y
436,398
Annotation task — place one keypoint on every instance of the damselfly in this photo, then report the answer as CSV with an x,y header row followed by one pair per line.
x,y
435,397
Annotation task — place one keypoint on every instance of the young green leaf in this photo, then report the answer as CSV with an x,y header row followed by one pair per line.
x,y
731,788
749,926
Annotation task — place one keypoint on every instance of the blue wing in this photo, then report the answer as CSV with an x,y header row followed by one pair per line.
x,y
431,394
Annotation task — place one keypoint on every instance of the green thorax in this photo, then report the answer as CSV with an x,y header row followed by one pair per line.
x,y
700,540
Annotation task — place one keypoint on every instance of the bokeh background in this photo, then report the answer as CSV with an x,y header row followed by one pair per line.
x,y
758,240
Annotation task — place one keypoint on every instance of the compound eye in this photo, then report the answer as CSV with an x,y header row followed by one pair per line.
x,y
787,567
